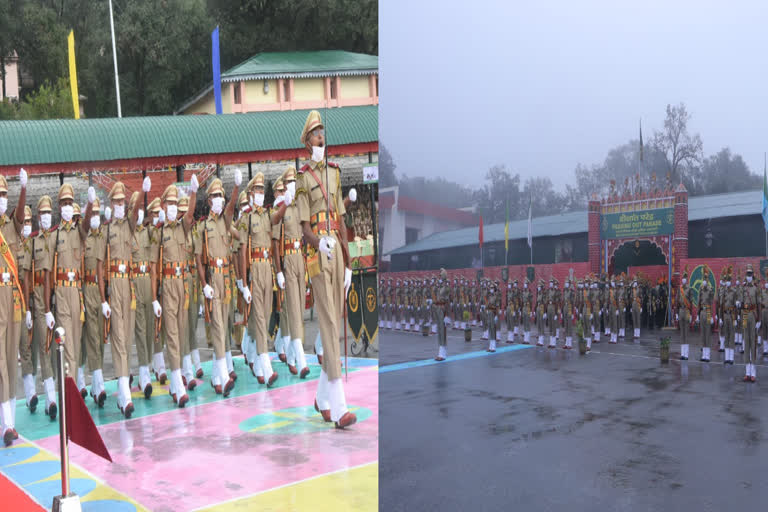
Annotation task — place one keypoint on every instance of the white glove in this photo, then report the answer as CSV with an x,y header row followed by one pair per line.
x,y
447,321
161,216
590,316
617,312
712,321
91,194
757,325
193,184
738,304
734,323
347,280
721,322
157,308
641,310
239,284
106,310
23,177
107,213
246,294
353,194
29,320
326,246
140,220
281,280
676,317
288,198
208,291
49,321
146,185
238,177
555,318
545,316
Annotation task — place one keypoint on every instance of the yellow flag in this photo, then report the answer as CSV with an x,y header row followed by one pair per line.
x,y
73,74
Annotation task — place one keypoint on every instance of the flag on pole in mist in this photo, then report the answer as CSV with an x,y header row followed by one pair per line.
x,y
216,69
481,232
80,427
765,197
530,222
641,140
73,74
506,230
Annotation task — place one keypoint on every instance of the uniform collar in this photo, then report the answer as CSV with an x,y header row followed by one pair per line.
x,y
67,225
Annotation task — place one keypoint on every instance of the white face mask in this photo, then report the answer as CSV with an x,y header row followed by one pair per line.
x,y
119,211
155,221
567,285
26,231
749,279
171,211
140,217
727,283
67,212
258,200
3,205
291,187
685,280
525,285
279,200
766,285
95,222
318,152
45,221
217,205
551,285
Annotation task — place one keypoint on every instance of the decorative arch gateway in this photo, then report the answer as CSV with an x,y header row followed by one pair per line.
x,y
660,217
661,242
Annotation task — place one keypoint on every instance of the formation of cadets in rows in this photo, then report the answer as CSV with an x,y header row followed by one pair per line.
x,y
607,305
138,277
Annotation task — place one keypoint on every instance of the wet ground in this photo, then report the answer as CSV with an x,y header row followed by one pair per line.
x,y
542,429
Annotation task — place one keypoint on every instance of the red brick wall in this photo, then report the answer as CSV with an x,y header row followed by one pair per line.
x,y
593,237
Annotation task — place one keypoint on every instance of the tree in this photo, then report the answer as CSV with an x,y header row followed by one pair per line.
x,y
501,189
725,172
679,147
387,168
49,101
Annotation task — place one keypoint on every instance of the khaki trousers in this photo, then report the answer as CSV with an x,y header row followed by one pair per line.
x,y
261,304
328,288
9,344
295,293
174,318
144,320
122,323
93,329
68,316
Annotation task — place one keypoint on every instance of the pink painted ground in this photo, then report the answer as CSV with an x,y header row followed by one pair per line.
x,y
197,457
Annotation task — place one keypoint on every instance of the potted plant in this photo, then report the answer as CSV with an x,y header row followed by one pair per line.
x,y
580,337
468,328
664,349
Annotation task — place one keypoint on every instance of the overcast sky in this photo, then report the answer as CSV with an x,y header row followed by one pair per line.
x,y
542,86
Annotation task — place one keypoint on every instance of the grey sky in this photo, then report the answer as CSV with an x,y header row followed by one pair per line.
x,y
541,86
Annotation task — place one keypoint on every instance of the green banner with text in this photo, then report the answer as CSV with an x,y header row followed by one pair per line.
x,y
636,224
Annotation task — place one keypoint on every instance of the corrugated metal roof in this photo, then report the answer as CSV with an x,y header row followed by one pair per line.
x,y
306,64
86,140
551,225
699,208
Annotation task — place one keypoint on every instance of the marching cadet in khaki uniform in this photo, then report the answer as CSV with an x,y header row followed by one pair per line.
x,y
213,269
683,316
82,360
527,301
764,316
494,303
286,219
637,309
255,255
740,324
730,298
144,239
612,308
750,305
283,337
568,312
11,304
169,259
93,294
440,312
191,301
65,279
28,356
706,320
623,296
318,195
117,265
42,258
719,317
541,319
552,307
597,311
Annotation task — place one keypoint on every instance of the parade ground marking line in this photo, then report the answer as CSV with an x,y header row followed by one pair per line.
x,y
459,357
216,506
715,363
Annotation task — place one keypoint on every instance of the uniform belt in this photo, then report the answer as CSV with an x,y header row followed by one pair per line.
x,y
62,278
319,222
750,308
136,269
257,254
218,265
173,270
39,278
119,268
90,277
290,246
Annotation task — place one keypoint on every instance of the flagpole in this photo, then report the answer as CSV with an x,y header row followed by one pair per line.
x,y
114,58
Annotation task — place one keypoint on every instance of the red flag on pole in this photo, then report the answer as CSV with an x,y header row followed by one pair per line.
x,y
80,427
481,231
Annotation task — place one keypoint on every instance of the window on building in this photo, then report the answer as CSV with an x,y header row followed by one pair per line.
x,y
376,92
238,98
286,90
334,92
411,235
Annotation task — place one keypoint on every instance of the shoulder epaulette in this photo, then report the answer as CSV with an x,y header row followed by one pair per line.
x,y
333,164
34,234
304,168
